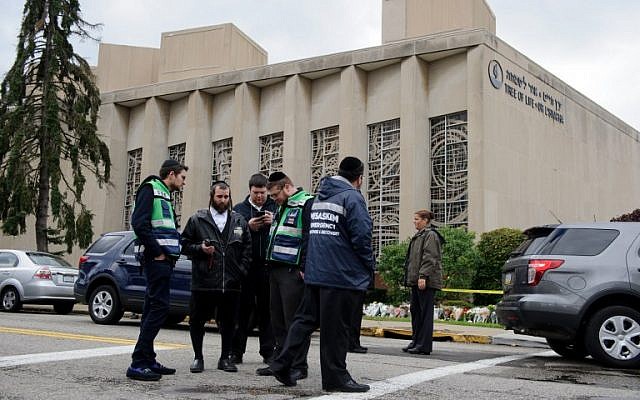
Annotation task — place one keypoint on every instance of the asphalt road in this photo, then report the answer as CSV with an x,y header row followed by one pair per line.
x,y
47,356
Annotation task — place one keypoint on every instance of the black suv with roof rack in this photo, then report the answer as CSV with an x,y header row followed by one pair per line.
x,y
578,286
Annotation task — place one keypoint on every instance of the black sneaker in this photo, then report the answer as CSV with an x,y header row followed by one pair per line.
x,y
143,374
161,369
235,358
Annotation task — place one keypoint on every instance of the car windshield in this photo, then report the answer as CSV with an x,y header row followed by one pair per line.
x,y
48,259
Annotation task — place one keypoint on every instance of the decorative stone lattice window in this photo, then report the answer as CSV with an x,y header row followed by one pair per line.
x,y
449,169
271,147
176,152
221,165
383,187
134,167
324,154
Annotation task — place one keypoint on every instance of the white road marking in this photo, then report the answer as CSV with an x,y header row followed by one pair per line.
x,y
12,361
401,382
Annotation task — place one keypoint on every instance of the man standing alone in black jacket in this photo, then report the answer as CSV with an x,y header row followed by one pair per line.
x,y
218,242
258,210
157,248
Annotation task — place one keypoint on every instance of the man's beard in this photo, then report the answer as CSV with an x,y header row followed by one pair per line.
x,y
220,207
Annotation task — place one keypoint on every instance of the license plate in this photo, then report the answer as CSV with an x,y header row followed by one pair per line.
x,y
508,278
68,278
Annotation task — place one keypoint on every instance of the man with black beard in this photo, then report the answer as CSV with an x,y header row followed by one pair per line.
x,y
218,242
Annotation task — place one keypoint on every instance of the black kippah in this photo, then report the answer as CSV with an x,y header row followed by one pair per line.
x,y
276,176
170,164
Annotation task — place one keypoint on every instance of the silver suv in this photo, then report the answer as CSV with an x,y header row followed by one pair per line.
x,y
578,286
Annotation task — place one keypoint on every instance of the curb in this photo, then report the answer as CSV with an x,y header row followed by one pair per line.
x,y
438,335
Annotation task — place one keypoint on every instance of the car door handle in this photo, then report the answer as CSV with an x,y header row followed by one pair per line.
x,y
122,261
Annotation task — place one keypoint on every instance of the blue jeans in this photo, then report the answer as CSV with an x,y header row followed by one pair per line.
x,y
154,312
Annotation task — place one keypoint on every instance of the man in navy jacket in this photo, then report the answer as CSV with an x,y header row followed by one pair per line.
x,y
339,267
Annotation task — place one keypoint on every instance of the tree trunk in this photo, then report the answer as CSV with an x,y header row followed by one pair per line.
x,y
42,207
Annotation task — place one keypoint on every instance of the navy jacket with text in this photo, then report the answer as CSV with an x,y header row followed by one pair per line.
x,y
339,252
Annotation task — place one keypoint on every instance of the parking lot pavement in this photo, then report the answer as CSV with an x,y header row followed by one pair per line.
x,y
442,331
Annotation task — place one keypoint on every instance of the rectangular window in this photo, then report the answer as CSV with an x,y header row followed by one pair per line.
x,y
177,152
221,165
271,147
449,170
324,154
134,167
578,241
383,187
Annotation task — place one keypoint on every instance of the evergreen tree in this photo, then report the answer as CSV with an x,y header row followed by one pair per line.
x,y
48,142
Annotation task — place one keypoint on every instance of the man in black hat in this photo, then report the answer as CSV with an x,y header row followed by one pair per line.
x,y
157,249
338,269
285,258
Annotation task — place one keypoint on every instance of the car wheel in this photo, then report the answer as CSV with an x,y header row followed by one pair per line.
x,y
613,337
63,308
573,350
104,306
11,299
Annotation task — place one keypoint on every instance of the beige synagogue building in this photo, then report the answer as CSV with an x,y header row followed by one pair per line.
x,y
445,115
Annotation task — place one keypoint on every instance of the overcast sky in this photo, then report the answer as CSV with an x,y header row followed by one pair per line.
x,y
593,45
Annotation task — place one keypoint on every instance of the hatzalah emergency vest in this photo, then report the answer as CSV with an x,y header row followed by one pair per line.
x,y
162,222
285,237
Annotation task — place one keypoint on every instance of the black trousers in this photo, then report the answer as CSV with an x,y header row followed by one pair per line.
x,y
254,299
154,311
422,318
331,309
356,323
286,291
206,305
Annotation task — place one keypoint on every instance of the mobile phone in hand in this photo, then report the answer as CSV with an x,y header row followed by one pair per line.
x,y
261,214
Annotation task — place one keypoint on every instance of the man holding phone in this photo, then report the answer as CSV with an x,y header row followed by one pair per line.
x,y
257,209
217,241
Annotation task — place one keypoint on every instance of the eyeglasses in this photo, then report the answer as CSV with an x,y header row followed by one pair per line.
x,y
274,195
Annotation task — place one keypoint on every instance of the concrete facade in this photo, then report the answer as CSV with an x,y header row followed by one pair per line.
x,y
533,148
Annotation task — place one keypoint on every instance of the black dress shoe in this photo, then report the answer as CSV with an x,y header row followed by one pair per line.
x,y
350,386
236,358
227,365
197,366
285,377
409,346
266,371
298,374
415,350
358,349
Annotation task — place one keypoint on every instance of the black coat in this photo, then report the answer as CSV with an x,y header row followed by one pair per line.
x,y
259,239
229,264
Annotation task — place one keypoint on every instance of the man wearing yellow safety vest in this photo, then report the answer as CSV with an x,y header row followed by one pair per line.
x,y
285,257
157,249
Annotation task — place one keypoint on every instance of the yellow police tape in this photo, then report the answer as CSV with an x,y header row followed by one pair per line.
x,y
472,291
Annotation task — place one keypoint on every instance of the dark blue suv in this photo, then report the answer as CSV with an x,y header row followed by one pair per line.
x,y
111,281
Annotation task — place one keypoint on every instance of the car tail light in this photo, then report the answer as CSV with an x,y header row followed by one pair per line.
x,y
82,260
43,273
537,268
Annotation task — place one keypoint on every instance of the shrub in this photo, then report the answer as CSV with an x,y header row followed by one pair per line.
x,y
633,216
391,270
459,260
494,248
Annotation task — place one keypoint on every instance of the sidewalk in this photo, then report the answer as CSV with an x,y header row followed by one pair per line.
x,y
453,333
